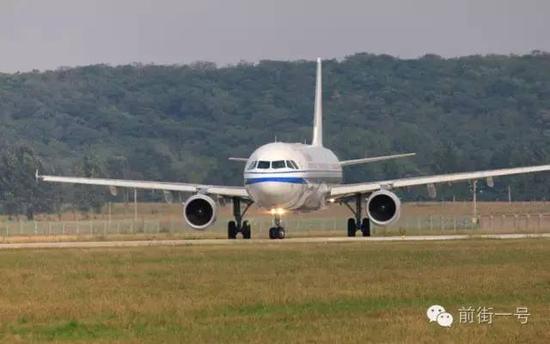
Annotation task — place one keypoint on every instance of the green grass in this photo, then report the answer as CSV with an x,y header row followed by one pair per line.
x,y
352,292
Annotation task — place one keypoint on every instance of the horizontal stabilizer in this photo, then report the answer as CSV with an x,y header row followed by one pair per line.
x,y
374,159
238,159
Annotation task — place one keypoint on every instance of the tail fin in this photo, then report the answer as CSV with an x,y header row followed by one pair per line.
x,y
318,114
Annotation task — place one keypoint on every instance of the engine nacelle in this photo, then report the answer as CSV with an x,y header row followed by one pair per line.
x,y
383,207
199,211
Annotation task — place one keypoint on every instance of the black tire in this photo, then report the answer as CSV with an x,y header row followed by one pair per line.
x,y
352,227
246,230
231,230
273,233
281,233
365,227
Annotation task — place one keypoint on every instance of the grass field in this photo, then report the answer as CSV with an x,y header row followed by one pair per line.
x,y
330,293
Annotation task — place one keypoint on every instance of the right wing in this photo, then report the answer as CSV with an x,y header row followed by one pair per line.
x,y
351,189
227,191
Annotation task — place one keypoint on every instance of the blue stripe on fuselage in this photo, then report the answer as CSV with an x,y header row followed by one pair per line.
x,y
292,180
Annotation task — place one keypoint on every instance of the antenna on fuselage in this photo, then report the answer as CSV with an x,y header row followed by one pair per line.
x,y
318,112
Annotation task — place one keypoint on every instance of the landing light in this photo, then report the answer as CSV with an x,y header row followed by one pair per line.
x,y
277,211
331,200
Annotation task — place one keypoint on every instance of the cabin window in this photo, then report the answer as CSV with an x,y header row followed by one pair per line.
x,y
263,164
278,164
252,165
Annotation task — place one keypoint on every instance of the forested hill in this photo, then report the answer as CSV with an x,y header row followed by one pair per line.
x,y
180,123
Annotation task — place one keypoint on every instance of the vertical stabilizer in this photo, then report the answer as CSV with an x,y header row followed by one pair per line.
x,y
318,113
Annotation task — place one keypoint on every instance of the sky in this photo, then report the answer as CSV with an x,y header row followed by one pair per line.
x,y
47,34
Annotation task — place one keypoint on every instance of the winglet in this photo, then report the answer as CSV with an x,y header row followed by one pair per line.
x,y
36,175
318,112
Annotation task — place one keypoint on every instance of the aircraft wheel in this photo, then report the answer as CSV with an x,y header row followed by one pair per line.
x,y
273,233
352,228
246,230
281,234
365,227
231,230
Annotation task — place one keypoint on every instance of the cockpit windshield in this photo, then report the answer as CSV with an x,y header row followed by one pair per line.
x,y
278,164
263,164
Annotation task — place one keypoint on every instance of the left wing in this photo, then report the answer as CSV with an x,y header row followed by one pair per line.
x,y
227,191
350,189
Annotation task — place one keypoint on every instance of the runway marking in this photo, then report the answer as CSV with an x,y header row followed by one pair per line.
x,y
199,242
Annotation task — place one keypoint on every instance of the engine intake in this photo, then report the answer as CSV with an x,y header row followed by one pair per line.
x,y
200,211
383,207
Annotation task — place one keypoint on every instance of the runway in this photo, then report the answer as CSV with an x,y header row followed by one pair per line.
x,y
204,242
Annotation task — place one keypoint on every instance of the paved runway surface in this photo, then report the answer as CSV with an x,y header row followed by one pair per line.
x,y
198,242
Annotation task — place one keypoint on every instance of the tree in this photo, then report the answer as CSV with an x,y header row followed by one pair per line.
x,y
85,197
181,122
20,193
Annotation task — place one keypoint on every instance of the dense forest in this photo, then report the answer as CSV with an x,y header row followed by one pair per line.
x,y
182,122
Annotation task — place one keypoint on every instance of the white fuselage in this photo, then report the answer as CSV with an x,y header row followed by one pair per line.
x,y
291,176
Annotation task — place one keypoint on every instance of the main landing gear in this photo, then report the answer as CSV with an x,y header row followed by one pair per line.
x,y
239,226
277,232
358,223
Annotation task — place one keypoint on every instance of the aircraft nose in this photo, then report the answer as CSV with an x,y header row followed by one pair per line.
x,y
274,194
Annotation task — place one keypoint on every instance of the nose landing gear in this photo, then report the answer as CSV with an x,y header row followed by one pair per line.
x,y
277,232
239,226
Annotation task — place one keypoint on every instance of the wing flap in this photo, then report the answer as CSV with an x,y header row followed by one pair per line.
x,y
348,189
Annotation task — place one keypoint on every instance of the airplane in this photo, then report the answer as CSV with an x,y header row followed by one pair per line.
x,y
297,177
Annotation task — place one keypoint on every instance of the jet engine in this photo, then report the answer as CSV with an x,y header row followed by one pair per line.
x,y
199,211
383,207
